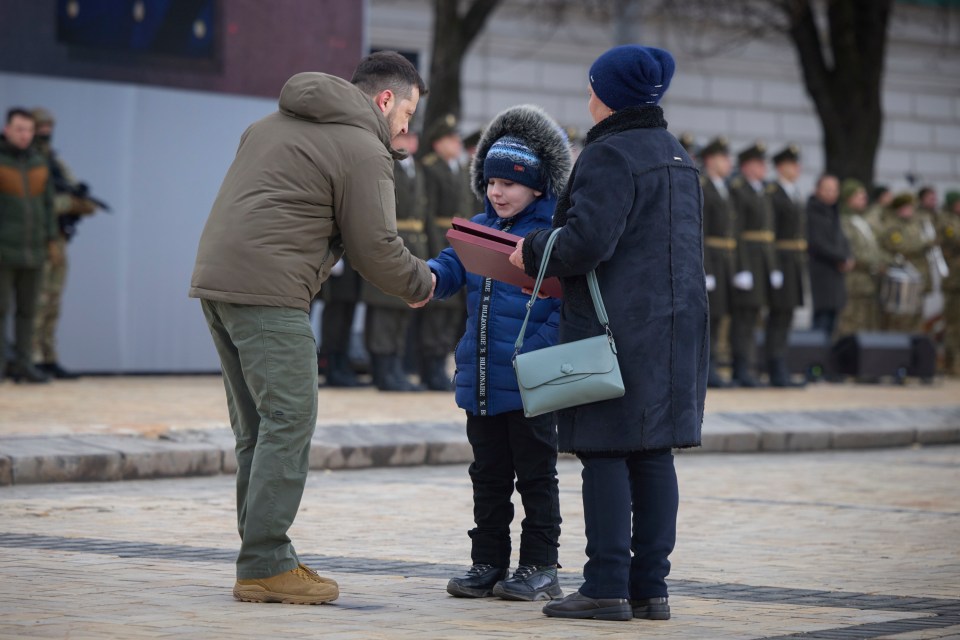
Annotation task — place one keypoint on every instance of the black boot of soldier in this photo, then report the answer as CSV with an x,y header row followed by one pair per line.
x,y
400,375
780,375
339,371
27,373
742,376
54,370
714,380
435,374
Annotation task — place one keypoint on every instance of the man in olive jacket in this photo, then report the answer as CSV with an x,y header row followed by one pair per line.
x,y
309,182
27,236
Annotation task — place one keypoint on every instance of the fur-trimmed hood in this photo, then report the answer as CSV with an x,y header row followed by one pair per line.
x,y
538,131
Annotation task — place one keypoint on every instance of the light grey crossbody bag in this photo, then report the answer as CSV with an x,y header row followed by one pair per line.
x,y
571,374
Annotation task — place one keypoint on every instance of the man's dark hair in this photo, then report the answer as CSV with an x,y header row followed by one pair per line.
x,y
877,192
825,176
388,70
18,111
924,192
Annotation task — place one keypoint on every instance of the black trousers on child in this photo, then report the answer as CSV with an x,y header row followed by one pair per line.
x,y
508,446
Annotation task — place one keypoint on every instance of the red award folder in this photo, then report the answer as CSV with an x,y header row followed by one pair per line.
x,y
486,252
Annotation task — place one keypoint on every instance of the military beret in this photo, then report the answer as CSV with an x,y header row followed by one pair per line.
x,y
41,116
719,145
790,153
901,200
952,198
443,127
757,151
849,187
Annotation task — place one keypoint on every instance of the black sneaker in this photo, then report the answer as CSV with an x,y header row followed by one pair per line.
x,y
478,581
651,608
530,582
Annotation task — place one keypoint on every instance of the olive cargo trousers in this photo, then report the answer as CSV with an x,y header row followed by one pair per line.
x,y
269,362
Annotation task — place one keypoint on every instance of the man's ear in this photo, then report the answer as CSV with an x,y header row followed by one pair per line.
x,y
385,100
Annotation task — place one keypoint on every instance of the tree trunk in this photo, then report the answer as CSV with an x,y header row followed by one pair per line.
x,y
453,33
846,90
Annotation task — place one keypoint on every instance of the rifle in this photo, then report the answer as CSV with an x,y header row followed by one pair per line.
x,y
79,190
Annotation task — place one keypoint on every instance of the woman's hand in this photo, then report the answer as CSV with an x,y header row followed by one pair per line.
x,y
516,258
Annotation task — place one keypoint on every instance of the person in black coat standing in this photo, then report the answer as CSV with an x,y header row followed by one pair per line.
x,y
631,211
830,256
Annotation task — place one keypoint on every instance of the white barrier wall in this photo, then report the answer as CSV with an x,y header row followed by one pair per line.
x,y
157,156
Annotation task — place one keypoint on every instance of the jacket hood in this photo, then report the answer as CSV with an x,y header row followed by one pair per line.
x,y
538,131
322,98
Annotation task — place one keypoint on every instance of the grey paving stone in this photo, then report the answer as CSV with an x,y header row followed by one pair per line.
x,y
863,437
65,459
146,458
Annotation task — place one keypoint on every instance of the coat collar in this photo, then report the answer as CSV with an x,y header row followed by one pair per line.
x,y
626,119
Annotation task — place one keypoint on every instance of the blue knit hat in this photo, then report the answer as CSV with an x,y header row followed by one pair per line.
x,y
511,159
631,75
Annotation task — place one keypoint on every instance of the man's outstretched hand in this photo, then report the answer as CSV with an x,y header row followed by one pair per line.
x,y
422,303
516,258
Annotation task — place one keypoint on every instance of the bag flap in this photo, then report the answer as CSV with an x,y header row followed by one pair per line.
x,y
571,360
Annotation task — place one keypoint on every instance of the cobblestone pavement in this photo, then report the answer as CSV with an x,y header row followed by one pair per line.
x,y
151,406
850,544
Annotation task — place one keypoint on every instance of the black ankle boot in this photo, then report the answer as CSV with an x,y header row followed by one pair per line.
x,y
714,381
478,581
339,371
780,376
435,374
530,582
742,375
651,608
27,373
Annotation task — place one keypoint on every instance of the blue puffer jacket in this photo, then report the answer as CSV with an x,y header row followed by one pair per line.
x,y
507,310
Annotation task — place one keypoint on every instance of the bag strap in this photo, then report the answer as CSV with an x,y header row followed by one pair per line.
x,y
592,284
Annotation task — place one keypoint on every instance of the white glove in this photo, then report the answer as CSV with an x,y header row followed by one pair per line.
x,y
743,281
711,283
776,279
337,269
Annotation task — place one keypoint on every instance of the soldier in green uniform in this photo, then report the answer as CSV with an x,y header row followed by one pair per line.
x,y
447,183
757,270
948,229
902,235
69,208
719,246
880,197
791,243
927,205
388,318
862,311
340,295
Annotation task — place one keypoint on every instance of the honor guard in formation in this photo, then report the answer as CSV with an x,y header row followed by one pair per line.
x,y
948,229
447,183
862,311
71,203
903,236
388,318
757,272
791,242
719,246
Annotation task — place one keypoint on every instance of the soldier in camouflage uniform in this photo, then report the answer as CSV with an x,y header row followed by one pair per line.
x,y
388,318
719,245
791,243
447,183
948,229
757,269
69,209
902,235
862,311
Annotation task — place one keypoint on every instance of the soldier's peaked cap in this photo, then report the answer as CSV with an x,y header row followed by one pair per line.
x,y
756,151
790,153
441,128
719,145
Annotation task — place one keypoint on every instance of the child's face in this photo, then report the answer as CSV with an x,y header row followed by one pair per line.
x,y
509,198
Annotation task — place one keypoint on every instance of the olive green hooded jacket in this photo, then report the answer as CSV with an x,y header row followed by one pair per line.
x,y
309,182
27,223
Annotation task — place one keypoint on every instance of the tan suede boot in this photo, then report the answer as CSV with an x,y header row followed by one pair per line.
x,y
298,586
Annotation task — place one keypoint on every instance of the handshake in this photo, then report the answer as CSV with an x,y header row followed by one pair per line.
x,y
423,303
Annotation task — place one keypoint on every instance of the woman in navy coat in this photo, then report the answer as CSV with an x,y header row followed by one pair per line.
x,y
631,211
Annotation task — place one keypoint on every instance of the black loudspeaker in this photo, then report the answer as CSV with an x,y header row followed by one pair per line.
x,y
809,352
874,355
924,362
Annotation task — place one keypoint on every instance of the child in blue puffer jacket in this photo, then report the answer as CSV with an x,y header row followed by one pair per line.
x,y
520,168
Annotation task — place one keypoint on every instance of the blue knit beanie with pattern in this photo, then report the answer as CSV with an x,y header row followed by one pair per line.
x,y
631,75
509,158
